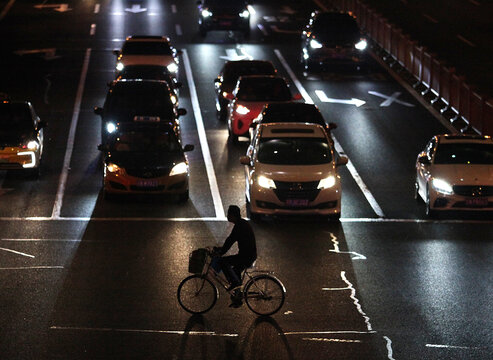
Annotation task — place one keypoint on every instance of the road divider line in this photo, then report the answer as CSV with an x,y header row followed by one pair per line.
x,y
178,30
97,8
148,331
93,30
32,268
17,252
366,192
71,138
209,166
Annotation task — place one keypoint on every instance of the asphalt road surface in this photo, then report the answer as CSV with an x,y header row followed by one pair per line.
x,y
86,278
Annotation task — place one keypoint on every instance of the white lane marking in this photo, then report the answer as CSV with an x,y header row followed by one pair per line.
x,y
17,252
331,340
353,101
460,37
390,99
97,7
93,29
453,347
173,8
327,332
136,8
209,166
149,331
71,138
262,28
390,353
366,192
44,240
32,268
178,30
428,17
356,256
6,9
232,55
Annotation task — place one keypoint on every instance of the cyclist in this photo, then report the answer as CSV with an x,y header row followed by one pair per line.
x,y
233,265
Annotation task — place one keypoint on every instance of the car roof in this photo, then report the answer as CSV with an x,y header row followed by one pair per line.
x,y
254,78
278,130
464,138
156,38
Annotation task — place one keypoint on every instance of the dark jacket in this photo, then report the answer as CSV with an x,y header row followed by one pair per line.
x,y
243,234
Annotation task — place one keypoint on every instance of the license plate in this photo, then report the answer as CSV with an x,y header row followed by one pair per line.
x,y
478,202
151,119
297,202
147,183
225,23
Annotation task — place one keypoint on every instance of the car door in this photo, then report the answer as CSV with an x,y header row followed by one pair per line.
x,y
424,169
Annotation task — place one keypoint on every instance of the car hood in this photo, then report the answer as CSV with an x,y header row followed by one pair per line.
x,y
337,39
464,174
147,160
14,138
163,60
298,173
227,9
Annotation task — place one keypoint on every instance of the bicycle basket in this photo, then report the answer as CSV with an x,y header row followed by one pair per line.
x,y
197,260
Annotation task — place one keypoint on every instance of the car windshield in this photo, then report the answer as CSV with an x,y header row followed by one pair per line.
x,y
145,141
132,101
223,3
466,154
336,27
145,72
233,71
146,48
15,118
306,114
264,90
294,151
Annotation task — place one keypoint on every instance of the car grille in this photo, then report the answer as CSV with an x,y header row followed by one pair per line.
x,y
147,173
296,190
473,190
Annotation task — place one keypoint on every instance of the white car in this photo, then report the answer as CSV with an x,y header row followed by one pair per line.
x,y
291,168
455,172
148,50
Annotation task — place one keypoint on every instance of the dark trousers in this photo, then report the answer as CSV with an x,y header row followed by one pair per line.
x,y
233,266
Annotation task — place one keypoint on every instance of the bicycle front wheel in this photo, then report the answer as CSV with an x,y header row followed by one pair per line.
x,y
264,294
197,294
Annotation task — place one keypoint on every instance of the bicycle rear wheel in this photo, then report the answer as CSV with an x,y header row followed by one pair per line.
x,y
264,294
197,294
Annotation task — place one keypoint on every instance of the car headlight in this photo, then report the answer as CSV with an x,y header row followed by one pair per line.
x,y
119,66
114,169
110,127
327,183
172,68
206,13
32,145
266,182
242,110
244,14
180,168
314,44
361,45
442,186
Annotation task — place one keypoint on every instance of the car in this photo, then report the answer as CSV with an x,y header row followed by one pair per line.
x,y
145,159
223,15
455,172
226,80
291,112
21,137
332,38
143,101
291,168
250,95
149,72
148,50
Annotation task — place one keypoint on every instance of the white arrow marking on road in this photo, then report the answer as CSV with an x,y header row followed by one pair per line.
x,y
390,99
232,55
16,252
56,7
336,249
321,95
136,9
49,54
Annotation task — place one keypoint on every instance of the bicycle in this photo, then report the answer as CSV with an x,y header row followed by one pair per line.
x,y
263,293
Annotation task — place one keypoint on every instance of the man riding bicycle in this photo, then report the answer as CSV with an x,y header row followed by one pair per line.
x,y
233,265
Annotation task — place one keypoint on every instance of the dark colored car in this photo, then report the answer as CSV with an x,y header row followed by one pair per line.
x,y
138,101
292,112
21,137
227,78
223,15
145,159
332,38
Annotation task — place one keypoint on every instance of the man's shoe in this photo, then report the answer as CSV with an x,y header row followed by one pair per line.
x,y
236,304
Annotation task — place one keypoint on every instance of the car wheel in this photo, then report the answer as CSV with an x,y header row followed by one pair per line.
x,y
416,190
184,197
233,138
334,217
251,215
246,32
34,173
429,211
221,114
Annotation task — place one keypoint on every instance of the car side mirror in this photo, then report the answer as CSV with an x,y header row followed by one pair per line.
x,y
332,126
245,160
181,112
297,97
98,110
343,160
188,147
423,159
